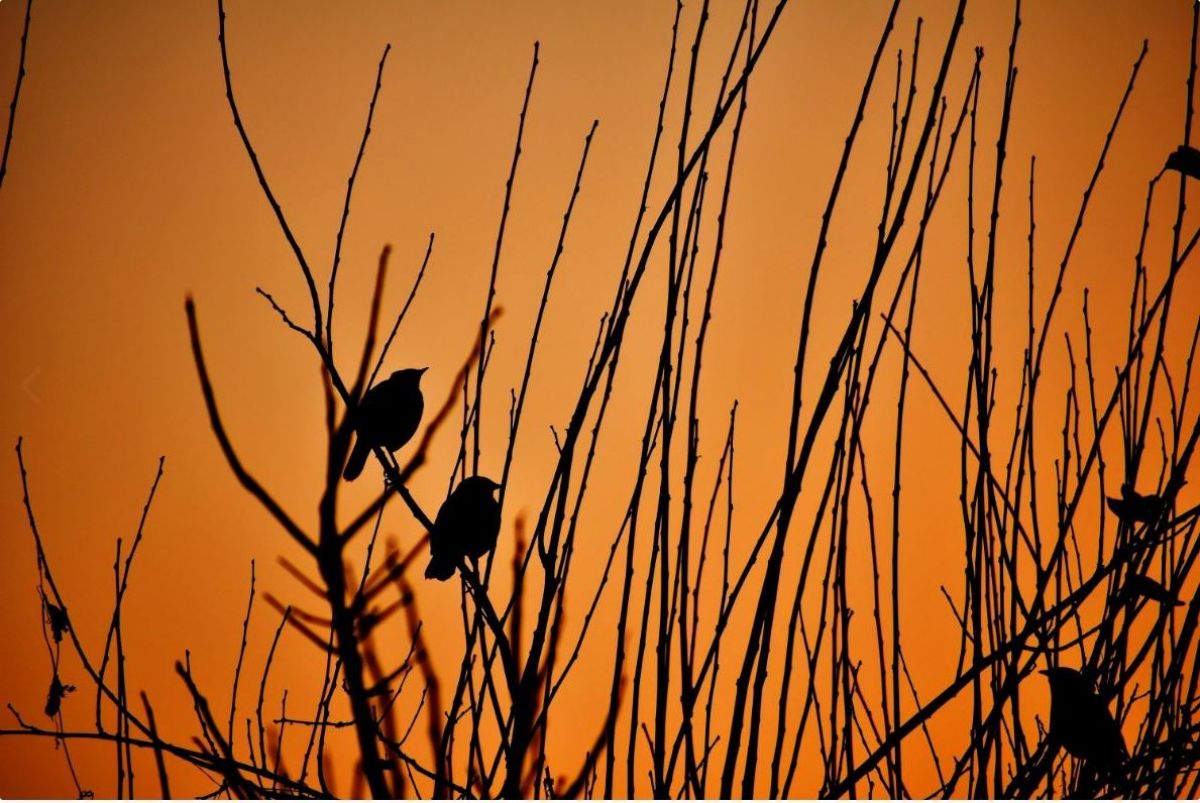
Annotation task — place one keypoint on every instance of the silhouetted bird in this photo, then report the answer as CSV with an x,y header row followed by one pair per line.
x,y
1143,586
1080,722
54,698
1134,507
387,416
466,527
1186,160
59,623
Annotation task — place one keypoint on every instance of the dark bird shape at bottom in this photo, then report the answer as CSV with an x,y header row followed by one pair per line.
x,y
466,526
387,416
54,698
1135,507
1081,723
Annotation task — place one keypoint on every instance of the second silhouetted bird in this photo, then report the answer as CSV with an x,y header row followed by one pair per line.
x,y
387,416
1080,722
1136,507
466,527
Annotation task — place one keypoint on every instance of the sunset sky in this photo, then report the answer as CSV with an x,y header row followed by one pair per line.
x,y
128,189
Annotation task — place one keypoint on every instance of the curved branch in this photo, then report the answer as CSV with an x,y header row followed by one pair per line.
x,y
262,178
337,249
235,464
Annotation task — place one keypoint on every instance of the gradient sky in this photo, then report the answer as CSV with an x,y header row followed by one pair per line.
x,y
128,189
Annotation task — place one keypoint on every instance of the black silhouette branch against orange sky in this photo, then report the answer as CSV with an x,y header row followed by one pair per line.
x,y
16,95
520,529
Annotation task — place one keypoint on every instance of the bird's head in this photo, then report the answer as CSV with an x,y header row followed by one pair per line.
x,y
481,486
1066,679
409,375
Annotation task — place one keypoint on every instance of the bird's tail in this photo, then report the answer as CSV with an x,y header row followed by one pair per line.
x,y
439,568
358,459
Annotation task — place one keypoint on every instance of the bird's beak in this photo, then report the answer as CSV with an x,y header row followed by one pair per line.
x,y
422,370
1045,672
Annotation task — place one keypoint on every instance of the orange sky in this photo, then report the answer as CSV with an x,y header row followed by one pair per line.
x,y
128,188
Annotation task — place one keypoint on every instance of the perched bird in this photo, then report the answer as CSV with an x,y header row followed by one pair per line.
x,y
387,416
1142,586
54,698
1134,507
1081,723
466,527
59,623
1186,160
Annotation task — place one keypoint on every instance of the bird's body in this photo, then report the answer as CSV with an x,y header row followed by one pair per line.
x,y
59,623
1134,507
466,526
1143,586
1186,160
1081,723
387,416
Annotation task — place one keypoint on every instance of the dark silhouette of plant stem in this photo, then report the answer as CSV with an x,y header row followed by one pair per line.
x,y
12,106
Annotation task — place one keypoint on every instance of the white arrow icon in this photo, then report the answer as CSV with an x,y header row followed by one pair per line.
x,y
27,390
